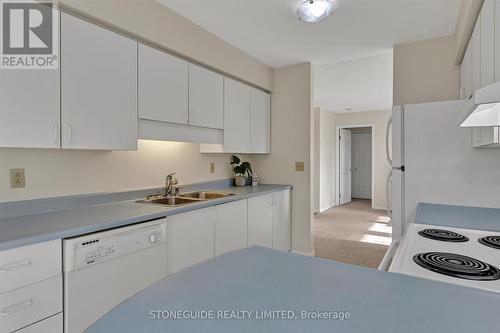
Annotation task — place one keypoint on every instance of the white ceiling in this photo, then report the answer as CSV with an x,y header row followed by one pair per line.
x,y
359,85
269,30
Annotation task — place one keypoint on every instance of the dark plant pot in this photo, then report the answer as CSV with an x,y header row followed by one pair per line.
x,y
248,181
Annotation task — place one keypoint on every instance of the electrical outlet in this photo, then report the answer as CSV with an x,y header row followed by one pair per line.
x,y
299,166
17,178
212,167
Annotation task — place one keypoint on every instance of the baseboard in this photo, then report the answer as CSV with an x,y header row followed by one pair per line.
x,y
309,254
379,207
327,208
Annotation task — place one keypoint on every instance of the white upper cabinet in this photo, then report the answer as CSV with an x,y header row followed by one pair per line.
x,y
497,40
260,124
487,23
236,116
99,87
29,108
466,73
163,86
206,95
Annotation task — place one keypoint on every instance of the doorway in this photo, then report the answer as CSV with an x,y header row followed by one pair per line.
x,y
354,160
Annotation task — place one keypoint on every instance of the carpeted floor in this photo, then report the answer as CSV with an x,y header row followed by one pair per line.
x,y
353,233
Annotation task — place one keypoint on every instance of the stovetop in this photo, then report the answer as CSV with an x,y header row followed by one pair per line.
x,y
462,256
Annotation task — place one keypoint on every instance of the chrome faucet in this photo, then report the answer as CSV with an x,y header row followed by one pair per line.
x,y
171,187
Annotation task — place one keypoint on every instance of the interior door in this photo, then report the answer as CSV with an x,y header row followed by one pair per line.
x,y
361,144
345,166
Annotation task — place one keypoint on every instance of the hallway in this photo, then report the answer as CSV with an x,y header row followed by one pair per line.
x,y
353,233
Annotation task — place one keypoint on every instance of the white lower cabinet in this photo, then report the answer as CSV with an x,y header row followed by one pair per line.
x,y
269,221
231,227
25,306
31,287
190,238
281,221
260,221
52,324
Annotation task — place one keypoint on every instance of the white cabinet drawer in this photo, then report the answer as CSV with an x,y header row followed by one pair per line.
x,y
53,324
24,306
23,266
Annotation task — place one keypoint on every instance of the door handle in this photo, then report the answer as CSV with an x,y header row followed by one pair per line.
x,y
56,133
16,307
14,266
68,139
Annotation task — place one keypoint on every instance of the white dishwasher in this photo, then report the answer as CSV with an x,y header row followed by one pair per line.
x,y
103,269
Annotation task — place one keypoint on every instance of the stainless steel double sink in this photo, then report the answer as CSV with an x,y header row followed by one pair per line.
x,y
185,198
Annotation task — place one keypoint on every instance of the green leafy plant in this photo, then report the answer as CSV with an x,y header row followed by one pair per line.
x,y
241,168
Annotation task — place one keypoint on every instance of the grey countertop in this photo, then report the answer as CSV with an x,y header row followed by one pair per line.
x,y
459,216
24,230
262,279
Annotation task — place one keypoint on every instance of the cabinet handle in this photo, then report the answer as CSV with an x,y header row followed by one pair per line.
x,y
16,307
11,267
68,126
56,133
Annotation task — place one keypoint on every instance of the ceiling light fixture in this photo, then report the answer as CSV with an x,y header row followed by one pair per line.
x,y
314,11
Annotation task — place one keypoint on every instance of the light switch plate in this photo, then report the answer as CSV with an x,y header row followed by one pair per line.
x,y
299,166
212,167
17,178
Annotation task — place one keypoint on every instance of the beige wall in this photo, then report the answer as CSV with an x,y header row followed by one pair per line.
x,y
425,71
291,121
52,173
325,176
149,20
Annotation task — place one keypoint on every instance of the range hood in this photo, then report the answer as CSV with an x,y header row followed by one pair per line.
x,y
483,108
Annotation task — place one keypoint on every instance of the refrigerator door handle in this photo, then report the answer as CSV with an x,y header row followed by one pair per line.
x,y
387,129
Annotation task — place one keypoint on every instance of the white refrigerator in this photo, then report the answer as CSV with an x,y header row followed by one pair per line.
x,y
433,161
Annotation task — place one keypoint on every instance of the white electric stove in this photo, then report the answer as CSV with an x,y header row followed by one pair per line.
x,y
461,256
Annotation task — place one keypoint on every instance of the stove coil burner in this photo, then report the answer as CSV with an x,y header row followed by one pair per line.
x,y
457,265
443,235
491,241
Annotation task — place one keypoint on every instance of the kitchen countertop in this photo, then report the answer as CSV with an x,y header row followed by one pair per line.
x,y
459,216
24,230
264,279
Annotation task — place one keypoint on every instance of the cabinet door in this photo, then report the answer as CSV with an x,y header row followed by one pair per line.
x,y
260,124
163,86
190,238
260,221
206,95
476,56
231,227
99,87
29,108
487,42
281,221
497,40
466,78
236,116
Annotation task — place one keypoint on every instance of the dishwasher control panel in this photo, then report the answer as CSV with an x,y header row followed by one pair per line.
x,y
99,247
99,254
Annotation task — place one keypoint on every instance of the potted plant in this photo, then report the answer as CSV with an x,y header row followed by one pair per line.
x,y
242,171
